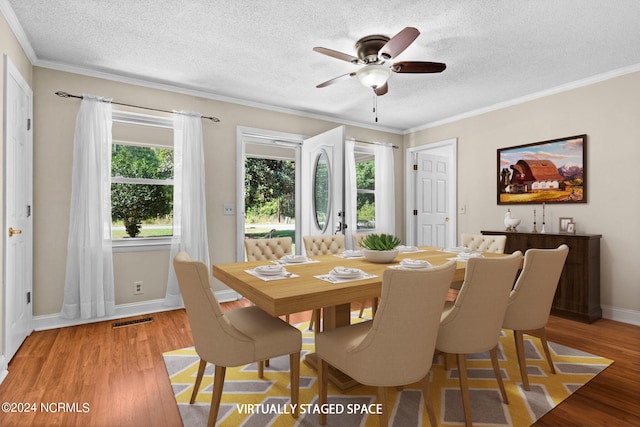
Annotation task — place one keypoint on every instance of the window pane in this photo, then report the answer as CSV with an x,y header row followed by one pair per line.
x,y
132,161
142,210
365,181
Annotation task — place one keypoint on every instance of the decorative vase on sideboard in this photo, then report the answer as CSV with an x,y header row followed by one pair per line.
x,y
578,294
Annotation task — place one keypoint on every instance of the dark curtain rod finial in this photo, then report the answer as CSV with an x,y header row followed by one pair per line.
x,y
68,95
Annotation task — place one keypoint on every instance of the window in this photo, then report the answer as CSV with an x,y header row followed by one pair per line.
x,y
366,190
141,191
141,180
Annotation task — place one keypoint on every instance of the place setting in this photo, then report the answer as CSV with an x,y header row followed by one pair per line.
x,y
412,264
462,253
344,274
271,272
350,253
409,249
294,260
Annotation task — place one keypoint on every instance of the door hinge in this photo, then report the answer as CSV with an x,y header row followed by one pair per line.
x,y
28,211
28,297
415,212
28,124
415,167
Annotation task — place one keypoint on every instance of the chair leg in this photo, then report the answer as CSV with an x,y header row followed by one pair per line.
x,y
196,386
261,369
374,307
384,413
496,368
522,362
314,323
464,388
218,383
545,346
323,380
362,303
294,372
426,396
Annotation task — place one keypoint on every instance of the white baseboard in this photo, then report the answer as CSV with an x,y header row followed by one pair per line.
x,y
52,321
621,315
4,365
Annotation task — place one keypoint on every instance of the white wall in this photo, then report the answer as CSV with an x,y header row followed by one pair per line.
x,y
609,113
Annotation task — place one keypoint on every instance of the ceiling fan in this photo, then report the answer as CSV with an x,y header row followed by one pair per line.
x,y
374,52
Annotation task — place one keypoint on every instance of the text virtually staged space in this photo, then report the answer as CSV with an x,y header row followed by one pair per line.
x,y
297,214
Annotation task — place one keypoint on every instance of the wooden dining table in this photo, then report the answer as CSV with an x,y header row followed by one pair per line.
x,y
302,290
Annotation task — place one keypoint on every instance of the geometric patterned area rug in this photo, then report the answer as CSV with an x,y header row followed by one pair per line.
x,y
250,401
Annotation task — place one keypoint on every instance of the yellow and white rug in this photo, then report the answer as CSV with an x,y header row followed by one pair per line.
x,y
249,401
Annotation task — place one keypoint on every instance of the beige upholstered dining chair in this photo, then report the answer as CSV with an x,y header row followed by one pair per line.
x,y
473,322
531,298
324,244
269,249
234,338
482,243
396,347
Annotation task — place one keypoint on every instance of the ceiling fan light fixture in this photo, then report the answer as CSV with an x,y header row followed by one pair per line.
x,y
374,75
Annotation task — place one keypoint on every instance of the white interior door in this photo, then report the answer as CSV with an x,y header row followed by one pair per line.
x,y
322,183
432,191
18,246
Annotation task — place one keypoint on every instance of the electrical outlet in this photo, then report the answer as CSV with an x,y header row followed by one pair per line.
x,y
137,288
229,209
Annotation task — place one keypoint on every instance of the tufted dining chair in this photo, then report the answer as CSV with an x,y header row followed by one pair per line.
x,y
472,324
269,249
357,239
531,298
396,347
234,338
322,245
482,243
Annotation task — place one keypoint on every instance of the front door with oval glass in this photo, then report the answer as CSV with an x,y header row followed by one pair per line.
x,y
322,176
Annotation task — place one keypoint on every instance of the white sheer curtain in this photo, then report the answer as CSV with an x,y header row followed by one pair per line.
x,y
189,203
385,194
88,289
351,189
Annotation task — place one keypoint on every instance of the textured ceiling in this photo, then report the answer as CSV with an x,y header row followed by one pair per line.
x,y
260,52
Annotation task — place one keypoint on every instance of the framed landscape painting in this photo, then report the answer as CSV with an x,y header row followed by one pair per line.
x,y
548,171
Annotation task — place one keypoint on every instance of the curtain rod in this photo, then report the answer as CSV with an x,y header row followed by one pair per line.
x,y
68,95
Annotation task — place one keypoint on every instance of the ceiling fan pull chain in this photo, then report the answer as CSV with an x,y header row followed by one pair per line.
x,y
375,105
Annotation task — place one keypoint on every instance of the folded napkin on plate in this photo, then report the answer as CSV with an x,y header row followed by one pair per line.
x,y
270,270
344,272
403,248
294,259
352,254
469,255
415,263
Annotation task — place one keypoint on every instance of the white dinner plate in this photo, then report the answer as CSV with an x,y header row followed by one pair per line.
x,y
270,270
346,273
415,263
294,259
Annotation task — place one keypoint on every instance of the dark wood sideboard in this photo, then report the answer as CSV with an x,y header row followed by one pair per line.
x,y
578,293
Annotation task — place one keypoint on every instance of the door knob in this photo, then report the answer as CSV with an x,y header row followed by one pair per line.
x,y
446,219
13,231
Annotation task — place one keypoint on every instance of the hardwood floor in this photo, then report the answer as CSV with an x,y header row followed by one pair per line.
x,y
105,376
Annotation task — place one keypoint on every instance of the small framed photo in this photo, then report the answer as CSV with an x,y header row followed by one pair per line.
x,y
571,228
564,224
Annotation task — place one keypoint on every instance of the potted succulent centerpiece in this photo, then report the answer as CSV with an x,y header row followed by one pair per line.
x,y
380,248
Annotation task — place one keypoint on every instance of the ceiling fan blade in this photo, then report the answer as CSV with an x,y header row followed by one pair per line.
x,y
338,55
418,67
336,80
398,43
382,89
